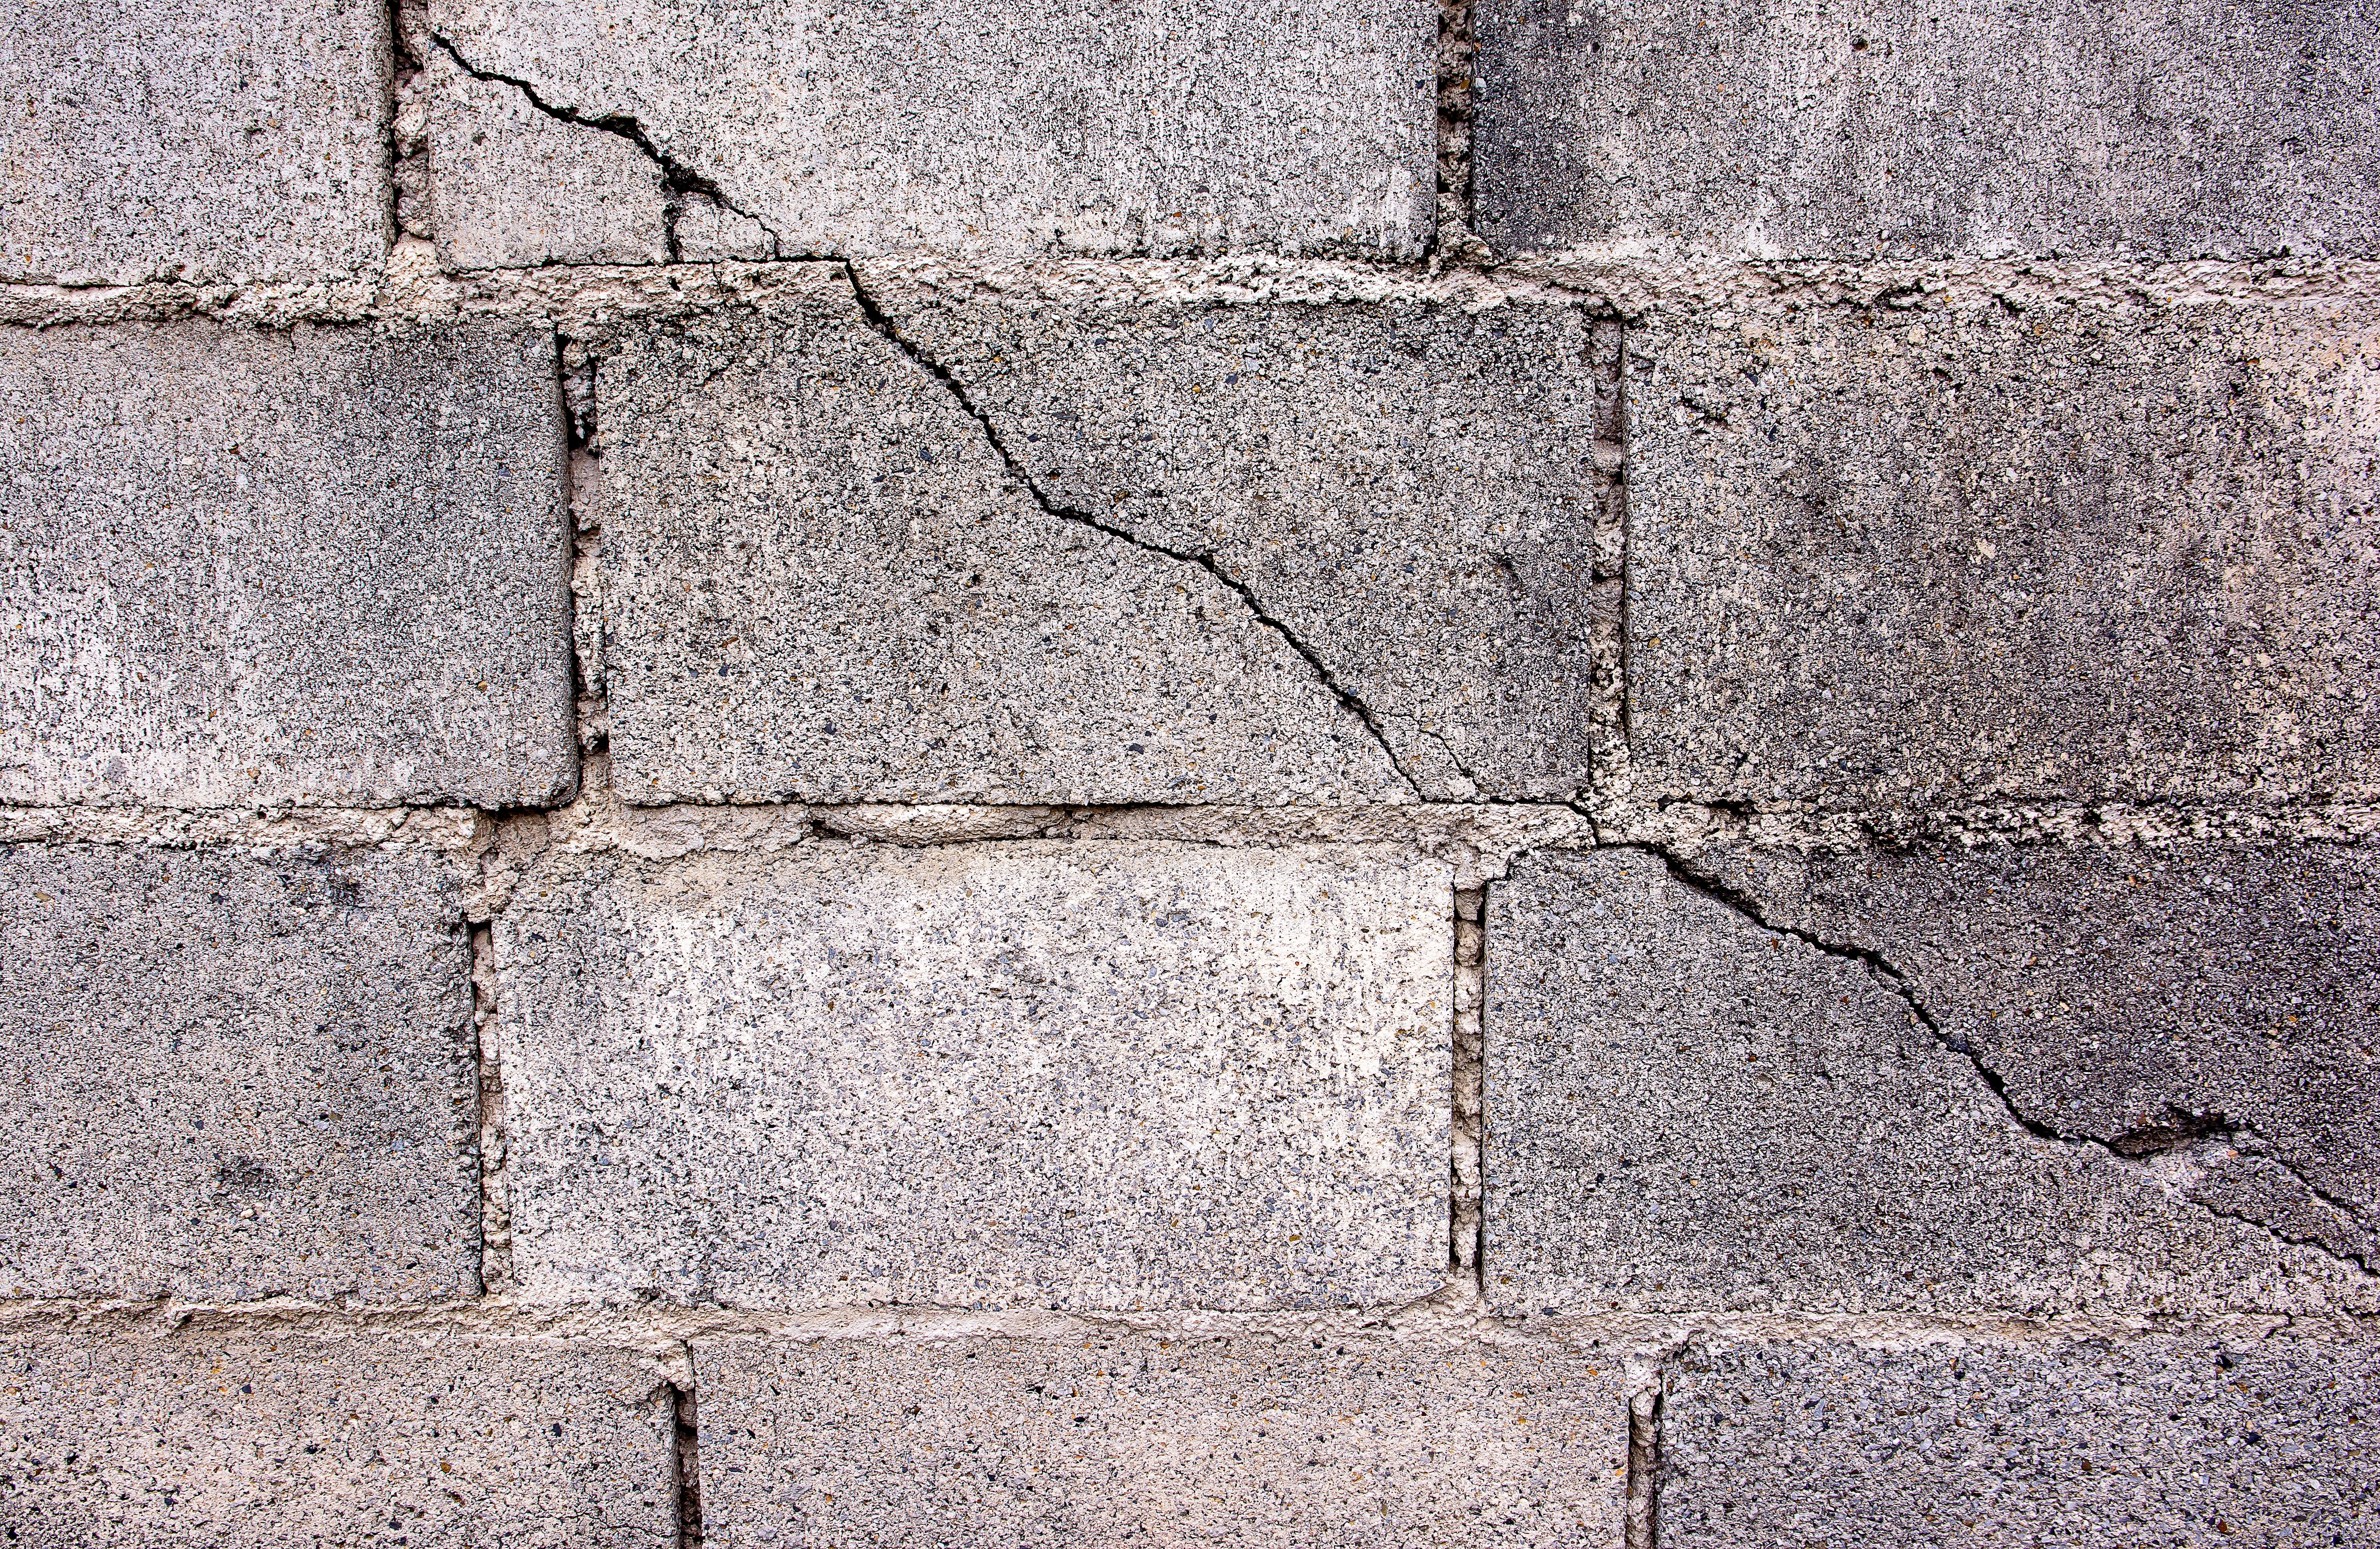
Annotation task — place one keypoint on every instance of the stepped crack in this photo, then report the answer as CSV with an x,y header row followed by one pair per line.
x,y
882,323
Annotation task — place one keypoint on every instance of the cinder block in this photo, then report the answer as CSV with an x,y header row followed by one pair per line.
x,y
2188,1439
2211,1003
326,565
1413,490
174,139
2194,129
1687,1111
347,1439
1124,1439
820,582
1098,1075
226,1078
1192,127
1944,557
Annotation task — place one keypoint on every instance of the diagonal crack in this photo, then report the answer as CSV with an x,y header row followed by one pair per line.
x,y
678,179
1203,560
1890,976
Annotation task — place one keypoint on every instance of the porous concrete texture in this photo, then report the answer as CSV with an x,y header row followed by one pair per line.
x,y
1415,491
1109,1075
171,139
256,1441
250,567
819,580
1898,558
2251,1435
232,1078
1687,1110
1117,1438
2199,130
1181,126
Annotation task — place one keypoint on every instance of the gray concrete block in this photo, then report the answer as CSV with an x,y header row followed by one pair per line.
x,y
2188,1439
1204,126
1413,490
246,568
1097,1075
1118,1439
227,1078
2203,128
172,138
2214,1002
343,1440
820,582
1687,1111
1881,559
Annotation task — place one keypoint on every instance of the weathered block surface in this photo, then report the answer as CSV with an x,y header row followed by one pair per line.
x,y
2184,1440
256,1442
1939,558
2204,128
820,582
1689,1111
156,139
228,1078
320,566
1125,1440
1411,490
1169,126
1106,1075
2214,1002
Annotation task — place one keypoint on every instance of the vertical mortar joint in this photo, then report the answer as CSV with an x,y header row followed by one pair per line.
x,y
496,1207
1465,1171
684,1438
1643,1523
1453,238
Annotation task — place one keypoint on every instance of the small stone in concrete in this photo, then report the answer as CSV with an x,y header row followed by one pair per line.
x,y
2250,1437
1103,1075
820,582
1199,126
181,140
247,1441
226,1078
1688,1111
2196,128
245,568
1934,558
1125,1439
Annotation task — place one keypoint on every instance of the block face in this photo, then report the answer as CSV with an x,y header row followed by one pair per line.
x,y
1165,127
2191,1439
1689,1110
1133,1440
2201,130
1104,1076
230,1079
253,1442
1413,490
821,583
249,567
1883,562
2210,1001
170,138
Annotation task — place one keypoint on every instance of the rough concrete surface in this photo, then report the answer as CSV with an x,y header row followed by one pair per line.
x,y
1157,127
320,565
2204,128
357,1440
1414,489
1099,1074
2216,1001
2248,1437
226,1079
1687,1111
819,580
1931,558
1118,1439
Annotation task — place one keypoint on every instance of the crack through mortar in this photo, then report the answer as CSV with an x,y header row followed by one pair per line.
x,y
1888,974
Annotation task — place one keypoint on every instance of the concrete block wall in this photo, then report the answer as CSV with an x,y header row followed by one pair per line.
x,y
1365,773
